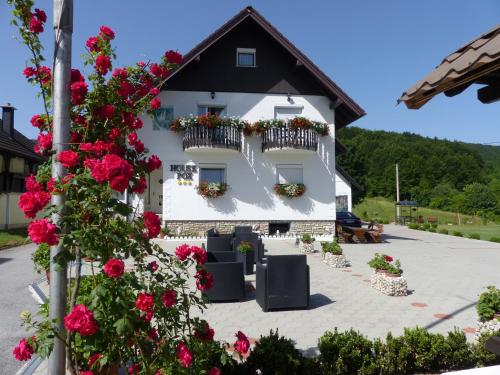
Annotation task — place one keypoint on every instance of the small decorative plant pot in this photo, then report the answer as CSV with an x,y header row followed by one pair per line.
x,y
389,284
336,261
306,248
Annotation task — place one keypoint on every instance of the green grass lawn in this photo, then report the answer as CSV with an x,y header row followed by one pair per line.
x,y
13,237
485,231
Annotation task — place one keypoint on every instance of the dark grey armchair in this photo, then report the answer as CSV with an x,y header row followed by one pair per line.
x,y
229,278
283,282
215,244
249,257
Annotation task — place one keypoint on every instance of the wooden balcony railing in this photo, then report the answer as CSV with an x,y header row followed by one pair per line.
x,y
305,139
217,137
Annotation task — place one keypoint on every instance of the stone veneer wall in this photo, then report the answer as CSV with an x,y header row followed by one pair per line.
x,y
199,228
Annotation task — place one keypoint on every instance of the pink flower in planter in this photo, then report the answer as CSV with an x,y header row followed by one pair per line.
x,y
388,258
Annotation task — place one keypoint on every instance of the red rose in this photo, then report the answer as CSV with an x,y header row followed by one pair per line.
x,y
43,231
75,137
106,33
114,268
86,373
159,71
78,91
37,121
184,355
120,73
140,186
204,279
169,298
44,74
31,202
137,123
97,169
133,138
32,184
35,25
152,224
81,320
183,251
114,134
153,334
154,91
29,72
205,333
23,351
106,111
214,371
139,147
76,76
153,266
102,64
93,44
155,103
93,359
118,171
173,57
100,148
388,258
40,14
86,147
134,368
144,302
126,89
153,163
199,254
119,183
44,142
242,344
68,158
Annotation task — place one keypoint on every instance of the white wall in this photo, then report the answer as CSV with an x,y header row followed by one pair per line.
x,y
251,174
14,218
343,187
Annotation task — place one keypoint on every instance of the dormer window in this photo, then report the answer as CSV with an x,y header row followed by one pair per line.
x,y
245,57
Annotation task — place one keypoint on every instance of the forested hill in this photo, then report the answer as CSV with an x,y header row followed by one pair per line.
x,y
427,166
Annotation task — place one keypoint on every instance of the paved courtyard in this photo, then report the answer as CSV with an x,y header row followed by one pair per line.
x,y
445,275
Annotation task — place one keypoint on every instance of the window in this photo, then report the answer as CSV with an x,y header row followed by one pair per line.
x,y
213,174
245,57
162,118
342,203
217,110
287,113
289,174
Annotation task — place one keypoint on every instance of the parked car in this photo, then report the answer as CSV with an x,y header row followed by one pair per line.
x,y
348,219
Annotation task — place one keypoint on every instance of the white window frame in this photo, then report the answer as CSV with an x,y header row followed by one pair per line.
x,y
290,166
247,51
211,105
212,166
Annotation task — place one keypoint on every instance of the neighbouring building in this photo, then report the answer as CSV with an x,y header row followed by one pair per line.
x,y
253,112
17,160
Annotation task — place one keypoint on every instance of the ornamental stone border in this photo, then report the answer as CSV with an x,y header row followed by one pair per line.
x,y
336,261
391,286
488,326
306,248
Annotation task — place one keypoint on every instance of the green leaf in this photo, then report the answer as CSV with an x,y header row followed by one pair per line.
x,y
123,326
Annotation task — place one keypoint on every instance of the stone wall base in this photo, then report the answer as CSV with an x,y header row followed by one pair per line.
x,y
489,326
392,286
306,248
199,228
336,261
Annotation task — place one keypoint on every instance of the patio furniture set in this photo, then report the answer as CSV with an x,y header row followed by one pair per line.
x,y
282,281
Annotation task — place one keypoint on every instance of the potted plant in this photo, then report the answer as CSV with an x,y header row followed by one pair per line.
x,y
245,254
307,243
164,232
333,255
290,190
41,259
387,275
211,189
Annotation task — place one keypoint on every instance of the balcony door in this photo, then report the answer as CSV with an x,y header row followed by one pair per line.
x,y
154,199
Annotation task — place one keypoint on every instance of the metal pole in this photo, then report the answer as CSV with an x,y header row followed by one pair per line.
x,y
63,29
398,208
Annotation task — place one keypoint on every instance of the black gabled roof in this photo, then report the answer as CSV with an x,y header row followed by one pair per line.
x,y
18,146
348,177
347,110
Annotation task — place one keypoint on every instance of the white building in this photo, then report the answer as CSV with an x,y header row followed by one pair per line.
x,y
248,70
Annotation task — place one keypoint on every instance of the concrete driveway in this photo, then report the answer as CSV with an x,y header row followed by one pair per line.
x,y
16,273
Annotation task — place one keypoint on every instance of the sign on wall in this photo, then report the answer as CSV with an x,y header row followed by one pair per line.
x,y
162,118
184,173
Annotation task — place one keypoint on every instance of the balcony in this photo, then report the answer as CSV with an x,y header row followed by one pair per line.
x,y
202,138
283,138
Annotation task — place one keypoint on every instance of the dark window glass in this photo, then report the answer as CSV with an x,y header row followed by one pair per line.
x,y
216,175
246,59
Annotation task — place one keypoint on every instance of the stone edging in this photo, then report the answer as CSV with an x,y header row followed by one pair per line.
x,y
391,286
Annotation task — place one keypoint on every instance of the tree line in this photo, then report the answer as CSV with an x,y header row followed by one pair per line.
x,y
442,174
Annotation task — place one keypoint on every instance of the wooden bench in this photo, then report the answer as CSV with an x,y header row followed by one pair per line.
x,y
345,234
432,220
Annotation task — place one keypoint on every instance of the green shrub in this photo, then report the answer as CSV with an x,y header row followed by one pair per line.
x,y
331,247
489,303
433,230
458,352
443,231
426,226
346,353
307,238
276,355
413,226
41,258
421,227
480,355
474,236
457,233
434,225
495,239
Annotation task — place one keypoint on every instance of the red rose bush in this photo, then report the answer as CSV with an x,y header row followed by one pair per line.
x,y
135,318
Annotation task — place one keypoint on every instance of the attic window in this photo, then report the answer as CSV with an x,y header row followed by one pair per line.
x,y
245,57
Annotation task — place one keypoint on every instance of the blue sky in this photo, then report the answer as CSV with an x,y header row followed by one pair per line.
x,y
373,49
